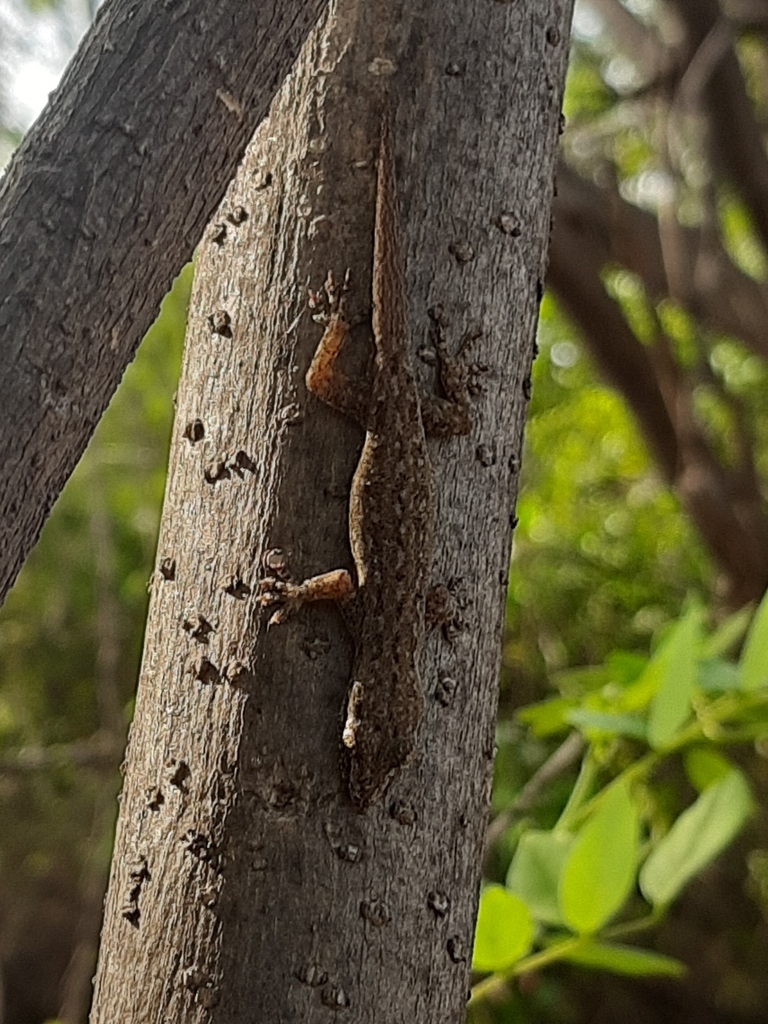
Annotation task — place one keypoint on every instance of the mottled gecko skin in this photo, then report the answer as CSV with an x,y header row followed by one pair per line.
x,y
392,510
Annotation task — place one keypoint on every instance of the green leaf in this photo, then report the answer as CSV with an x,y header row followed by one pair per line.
x,y
705,766
754,660
547,717
504,930
675,664
728,633
535,872
639,694
639,963
716,676
625,666
600,869
696,838
616,725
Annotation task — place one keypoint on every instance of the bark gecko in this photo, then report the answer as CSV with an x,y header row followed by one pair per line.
x,y
392,507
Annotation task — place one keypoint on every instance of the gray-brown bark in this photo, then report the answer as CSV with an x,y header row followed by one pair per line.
x,y
244,885
102,206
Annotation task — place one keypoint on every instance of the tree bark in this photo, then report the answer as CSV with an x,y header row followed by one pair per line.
x,y
243,880
103,205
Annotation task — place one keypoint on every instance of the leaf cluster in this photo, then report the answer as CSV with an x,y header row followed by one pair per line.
x,y
618,849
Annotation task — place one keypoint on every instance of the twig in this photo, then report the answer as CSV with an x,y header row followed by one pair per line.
x,y
569,751
96,752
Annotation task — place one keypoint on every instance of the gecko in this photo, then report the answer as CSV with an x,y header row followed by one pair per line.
x,y
392,505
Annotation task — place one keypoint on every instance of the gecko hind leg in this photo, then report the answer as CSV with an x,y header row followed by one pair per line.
x,y
336,585
448,415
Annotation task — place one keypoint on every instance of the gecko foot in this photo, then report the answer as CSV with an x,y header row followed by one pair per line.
x,y
448,414
273,591
444,608
337,585
332,305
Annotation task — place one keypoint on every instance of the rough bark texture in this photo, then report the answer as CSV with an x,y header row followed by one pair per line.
x,y
244,885
103,205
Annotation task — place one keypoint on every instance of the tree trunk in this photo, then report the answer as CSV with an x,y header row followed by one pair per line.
x,y
244,884
101,207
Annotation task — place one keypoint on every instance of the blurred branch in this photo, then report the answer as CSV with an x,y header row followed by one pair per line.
x,y
99,751
747,14
724,504
577,257
735,136
76,985
642,43
722,297
569,751
107,614
77,981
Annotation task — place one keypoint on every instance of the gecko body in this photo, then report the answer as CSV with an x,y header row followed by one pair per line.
x,y
392,509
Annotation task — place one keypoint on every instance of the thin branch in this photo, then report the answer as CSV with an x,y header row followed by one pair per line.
x,y
722,297
736,138
114,185
558,762
99,751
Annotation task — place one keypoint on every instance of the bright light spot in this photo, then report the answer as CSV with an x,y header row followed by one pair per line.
x,y
650,189
644,492
542,531
564,354
30,88
617,524
590,545
649,619
621,74
587,23
642,9
613,445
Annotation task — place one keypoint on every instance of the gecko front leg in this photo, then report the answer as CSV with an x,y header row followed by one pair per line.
x,y
327,381
324,378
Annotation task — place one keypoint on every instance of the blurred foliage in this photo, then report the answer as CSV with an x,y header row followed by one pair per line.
x,y
620,845
48,633
603,563
56,825
602,554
